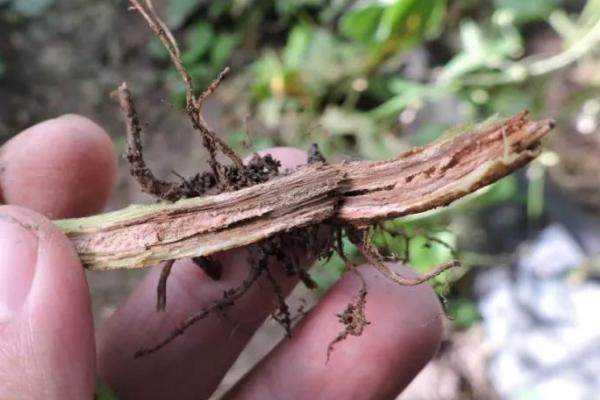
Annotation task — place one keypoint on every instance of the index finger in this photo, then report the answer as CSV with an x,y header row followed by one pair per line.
x,y
62,167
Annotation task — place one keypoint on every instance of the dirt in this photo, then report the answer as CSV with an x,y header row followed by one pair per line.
x,y
353,318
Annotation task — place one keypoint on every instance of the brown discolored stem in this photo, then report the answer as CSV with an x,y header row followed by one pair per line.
x,y
357,193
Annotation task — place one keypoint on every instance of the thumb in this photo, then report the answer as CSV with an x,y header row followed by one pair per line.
x,y
46,330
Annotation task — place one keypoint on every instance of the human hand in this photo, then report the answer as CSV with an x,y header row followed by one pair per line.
x,y
66,167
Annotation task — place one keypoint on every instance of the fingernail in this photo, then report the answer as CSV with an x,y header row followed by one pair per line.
x,y
18,256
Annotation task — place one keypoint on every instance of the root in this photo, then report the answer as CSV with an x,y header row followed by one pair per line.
x,y
161,290
315,155
362,240
222,177
397,234
229,298
282,312
277,249
135,156
353,318
432,239
259,169
406,238
193,104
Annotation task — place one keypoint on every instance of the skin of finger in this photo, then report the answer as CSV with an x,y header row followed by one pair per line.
x,y
47,350
63,167
194,364
404,334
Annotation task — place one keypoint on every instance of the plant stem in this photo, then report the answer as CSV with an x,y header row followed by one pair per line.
x,y
358,193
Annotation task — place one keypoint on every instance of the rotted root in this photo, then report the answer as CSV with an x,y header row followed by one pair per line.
x,y
353,317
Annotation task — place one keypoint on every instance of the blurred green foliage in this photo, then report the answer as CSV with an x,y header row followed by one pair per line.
x,y
371,78
463,312
340,63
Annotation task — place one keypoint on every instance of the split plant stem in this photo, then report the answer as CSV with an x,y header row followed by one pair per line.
x,y
356,193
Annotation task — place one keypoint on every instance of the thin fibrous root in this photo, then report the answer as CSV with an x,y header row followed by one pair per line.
x,y
282,311
229,298
193,104
362,239
353,318
163,33
315,155
161,289
432,239
406,238
210,89
135,156
375,259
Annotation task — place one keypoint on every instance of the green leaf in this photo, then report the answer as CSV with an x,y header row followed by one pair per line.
x,y
407,93
471,38
527,10
425,254
464,313
221,51
198,40
434,24
264,70
216,9
2,68
362,24
412,20
403,21
178,11
480,52
297,45
395,17
535,191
